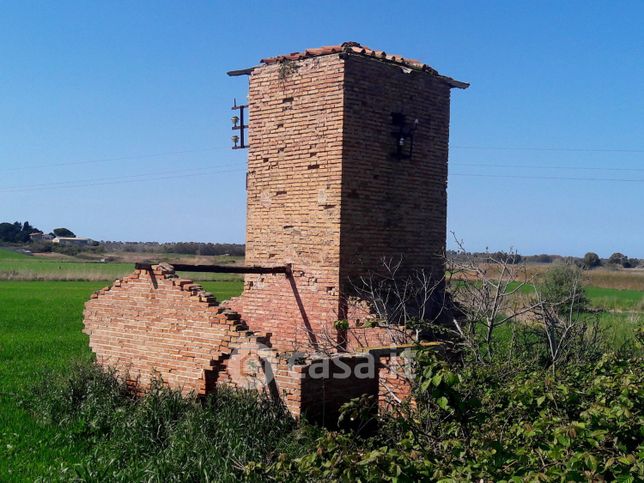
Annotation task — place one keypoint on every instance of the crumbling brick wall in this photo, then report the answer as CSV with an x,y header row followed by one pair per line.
x,y
394,380
153,324
156,324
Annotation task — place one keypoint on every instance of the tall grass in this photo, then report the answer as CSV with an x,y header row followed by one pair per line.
x,y
163,436
616,279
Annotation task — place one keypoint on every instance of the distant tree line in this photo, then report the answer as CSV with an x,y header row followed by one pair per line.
x,y
589,261
18,233
183,248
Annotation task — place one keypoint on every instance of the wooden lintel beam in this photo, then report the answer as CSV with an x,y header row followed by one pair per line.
x,y
182,267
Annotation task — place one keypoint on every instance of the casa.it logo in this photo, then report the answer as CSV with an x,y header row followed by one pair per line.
x,y
252,367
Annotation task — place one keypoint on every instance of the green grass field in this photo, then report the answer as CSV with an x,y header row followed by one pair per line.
x,y
19,266
40,330
40,325
615,299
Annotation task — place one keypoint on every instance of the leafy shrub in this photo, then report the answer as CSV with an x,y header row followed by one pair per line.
x,y
561,284
495,423
506,420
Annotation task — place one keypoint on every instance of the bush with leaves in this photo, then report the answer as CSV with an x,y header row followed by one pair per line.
x,y
510,420
494,422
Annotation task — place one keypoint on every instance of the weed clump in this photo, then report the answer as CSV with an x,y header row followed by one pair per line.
x,y
162,435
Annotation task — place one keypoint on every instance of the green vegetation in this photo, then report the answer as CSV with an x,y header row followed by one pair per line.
x,y
614,299
19,266
507,421
591,260
512,415
224,289
6,254
40,330
622,260
500,422
163,436
64,232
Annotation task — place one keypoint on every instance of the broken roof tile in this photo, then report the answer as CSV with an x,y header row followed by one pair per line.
x,y
356,48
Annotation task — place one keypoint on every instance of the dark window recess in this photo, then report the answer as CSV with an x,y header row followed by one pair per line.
x,y
403,135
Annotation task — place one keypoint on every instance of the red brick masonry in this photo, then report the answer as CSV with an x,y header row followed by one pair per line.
x,y
326,192
157,325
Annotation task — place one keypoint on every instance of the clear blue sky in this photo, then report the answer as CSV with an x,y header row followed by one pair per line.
x,y
135,94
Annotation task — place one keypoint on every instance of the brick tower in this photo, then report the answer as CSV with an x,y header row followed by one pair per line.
x,y
347,165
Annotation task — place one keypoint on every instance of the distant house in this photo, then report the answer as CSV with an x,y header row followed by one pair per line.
x,y
40,236
71,241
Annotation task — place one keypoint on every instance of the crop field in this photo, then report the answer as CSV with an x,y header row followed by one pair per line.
x,y
40,332
20,266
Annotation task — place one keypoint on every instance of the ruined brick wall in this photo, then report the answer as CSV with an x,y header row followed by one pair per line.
x,y
294,179
156,323
392,207
254,365
153,324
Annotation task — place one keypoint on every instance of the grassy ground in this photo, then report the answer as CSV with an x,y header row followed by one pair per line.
x,y
616,299
40,329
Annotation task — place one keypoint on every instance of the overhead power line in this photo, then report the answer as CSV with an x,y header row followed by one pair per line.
x,y
120,158
109,178
554,178
543,166
217,148
138,178
143,178
535,148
